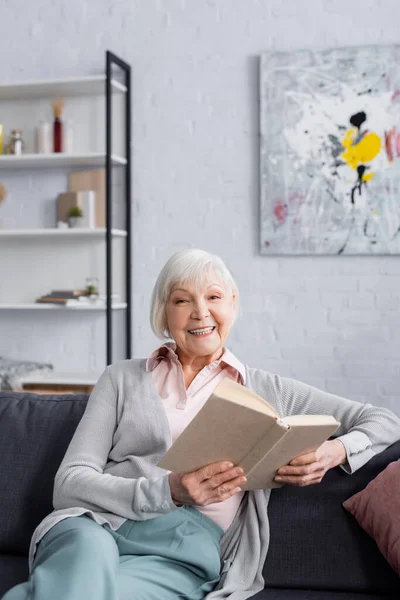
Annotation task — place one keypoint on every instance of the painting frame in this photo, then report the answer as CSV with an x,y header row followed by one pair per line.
x,y
330,151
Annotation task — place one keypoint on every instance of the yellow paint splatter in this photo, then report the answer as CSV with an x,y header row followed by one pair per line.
x,y
363,152
368,176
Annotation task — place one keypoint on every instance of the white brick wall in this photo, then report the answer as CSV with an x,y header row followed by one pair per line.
x,y
330,321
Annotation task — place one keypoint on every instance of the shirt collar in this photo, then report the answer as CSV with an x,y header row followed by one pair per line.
x,y
167,350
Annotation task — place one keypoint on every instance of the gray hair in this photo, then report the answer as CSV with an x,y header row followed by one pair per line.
x,y
186,266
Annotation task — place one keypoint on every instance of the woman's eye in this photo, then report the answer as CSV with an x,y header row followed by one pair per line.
x,y
215,297
179,301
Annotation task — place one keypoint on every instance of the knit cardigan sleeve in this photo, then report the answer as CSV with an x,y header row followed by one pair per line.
x,y
81,480
365,429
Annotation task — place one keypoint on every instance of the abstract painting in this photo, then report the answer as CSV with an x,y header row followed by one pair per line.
x,y
330,151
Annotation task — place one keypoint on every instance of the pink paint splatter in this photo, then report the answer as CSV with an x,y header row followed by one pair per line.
x,y
392,143
267,244
396,94
280,211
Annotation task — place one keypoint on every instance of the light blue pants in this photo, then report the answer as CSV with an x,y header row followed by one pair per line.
x,y
172,557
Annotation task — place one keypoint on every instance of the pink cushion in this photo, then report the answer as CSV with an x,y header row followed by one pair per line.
x,y
377,510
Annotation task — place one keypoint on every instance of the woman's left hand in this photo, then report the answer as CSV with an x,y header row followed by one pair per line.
x,y
310,468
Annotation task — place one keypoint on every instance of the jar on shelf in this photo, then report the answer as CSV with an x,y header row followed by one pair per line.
x,y
16,143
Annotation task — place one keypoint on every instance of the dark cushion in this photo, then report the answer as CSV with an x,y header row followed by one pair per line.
x,y
13,570
377,510
282,594
35,432
317,544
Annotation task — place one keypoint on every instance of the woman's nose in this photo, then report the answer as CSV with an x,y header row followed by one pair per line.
x,y
200,310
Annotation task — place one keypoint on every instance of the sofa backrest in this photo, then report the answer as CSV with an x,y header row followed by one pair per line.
x,y
317,544
35,431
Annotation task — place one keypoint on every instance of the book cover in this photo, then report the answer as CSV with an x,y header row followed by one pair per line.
x,y
236,424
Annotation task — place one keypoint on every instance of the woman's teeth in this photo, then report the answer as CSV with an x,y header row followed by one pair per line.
x,y
201,331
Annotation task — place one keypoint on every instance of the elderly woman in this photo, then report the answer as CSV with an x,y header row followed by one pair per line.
x,y
122,527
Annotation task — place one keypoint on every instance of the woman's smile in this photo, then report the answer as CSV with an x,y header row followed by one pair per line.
x,y
202,332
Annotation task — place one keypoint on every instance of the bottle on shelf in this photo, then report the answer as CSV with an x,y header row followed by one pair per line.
x,y
57,107
16,143
68,137
44,138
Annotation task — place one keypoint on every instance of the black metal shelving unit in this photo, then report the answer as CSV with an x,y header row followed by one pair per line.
x,y
114,61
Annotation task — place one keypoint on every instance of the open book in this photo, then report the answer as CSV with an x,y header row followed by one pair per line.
x,y
237,425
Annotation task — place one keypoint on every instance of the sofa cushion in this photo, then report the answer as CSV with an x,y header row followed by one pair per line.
x,y
35,431
318,544
13,570
377,510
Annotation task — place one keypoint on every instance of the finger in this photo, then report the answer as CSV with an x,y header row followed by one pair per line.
x,y
301,481
224,494
213,469
221,478
304,459
301,470
227,484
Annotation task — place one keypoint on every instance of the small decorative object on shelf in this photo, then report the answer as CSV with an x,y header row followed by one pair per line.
x,y
85,200
16,143
44,140
1,137
57,107
75,217
92,286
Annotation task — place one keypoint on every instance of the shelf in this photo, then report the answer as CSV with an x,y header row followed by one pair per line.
x,y
59,160
57,378
37,306
58,232
77,86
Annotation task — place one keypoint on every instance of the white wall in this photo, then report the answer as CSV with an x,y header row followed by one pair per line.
x,y
330,321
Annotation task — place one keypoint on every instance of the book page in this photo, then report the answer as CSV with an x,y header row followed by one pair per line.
x,y
234,392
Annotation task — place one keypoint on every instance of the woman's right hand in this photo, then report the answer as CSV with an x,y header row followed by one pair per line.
x,y
214,483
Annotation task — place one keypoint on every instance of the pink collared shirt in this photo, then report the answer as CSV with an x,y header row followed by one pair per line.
x,y
182,404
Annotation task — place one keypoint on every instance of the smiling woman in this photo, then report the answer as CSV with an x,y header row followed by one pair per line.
x,y
195,302
122,523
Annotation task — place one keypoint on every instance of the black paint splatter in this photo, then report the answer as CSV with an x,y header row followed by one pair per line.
x,y
358,186
358,119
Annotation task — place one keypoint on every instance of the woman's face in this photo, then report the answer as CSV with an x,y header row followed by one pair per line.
x,y
199,320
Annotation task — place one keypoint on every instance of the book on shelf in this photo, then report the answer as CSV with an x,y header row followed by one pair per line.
x,y
68,293
61,296
237,425
51,300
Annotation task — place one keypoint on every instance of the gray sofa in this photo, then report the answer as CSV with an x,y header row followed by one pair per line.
x,y
317,552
